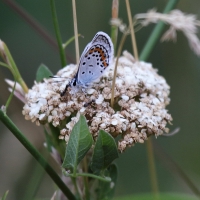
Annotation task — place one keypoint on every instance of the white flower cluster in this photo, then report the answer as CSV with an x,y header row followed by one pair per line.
x,y
141,96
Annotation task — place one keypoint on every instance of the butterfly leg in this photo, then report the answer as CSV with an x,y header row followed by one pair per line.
x,y
64,91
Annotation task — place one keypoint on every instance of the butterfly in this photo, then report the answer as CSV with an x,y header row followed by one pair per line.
x,y
95,59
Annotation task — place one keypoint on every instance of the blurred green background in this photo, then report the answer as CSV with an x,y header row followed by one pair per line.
x,y
175,61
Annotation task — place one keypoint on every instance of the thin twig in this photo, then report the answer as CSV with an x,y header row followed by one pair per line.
x,y
75,30
115,70
134,44
114,29
172,133
70,40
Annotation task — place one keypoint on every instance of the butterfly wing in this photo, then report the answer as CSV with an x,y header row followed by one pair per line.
x,y
96,57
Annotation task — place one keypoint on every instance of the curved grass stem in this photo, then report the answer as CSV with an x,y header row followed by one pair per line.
x,y
50,171
155,35
134,44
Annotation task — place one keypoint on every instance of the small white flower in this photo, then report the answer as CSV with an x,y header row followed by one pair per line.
x,y
99,100
114,122
90,91
125,97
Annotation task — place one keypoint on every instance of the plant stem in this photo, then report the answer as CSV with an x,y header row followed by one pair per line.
x,y
17,133
85,169
75,30
57,31
76,188
93,176
69,41
115,70
174,168
155,35
144,56
5,195
134,44
152,168
114,29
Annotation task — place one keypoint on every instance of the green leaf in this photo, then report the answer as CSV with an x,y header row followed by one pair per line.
x,y
105,151
48,140
106,189
80,141
162,196
5,195
43,72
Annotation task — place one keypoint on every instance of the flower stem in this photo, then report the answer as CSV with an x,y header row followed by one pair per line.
x,y
85,169
115,70
94,176
155,35
75,30
152,168
57,31
76,188
134,44
17,133
114,29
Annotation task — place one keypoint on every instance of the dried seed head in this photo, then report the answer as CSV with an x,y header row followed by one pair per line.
x,y
141,96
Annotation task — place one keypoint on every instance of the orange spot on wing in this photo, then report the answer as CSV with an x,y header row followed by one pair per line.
x,y
101,52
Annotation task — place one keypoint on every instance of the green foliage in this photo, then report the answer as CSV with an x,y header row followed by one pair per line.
x,y
43,72
105,151
53,140
80,142
5,195
106,190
